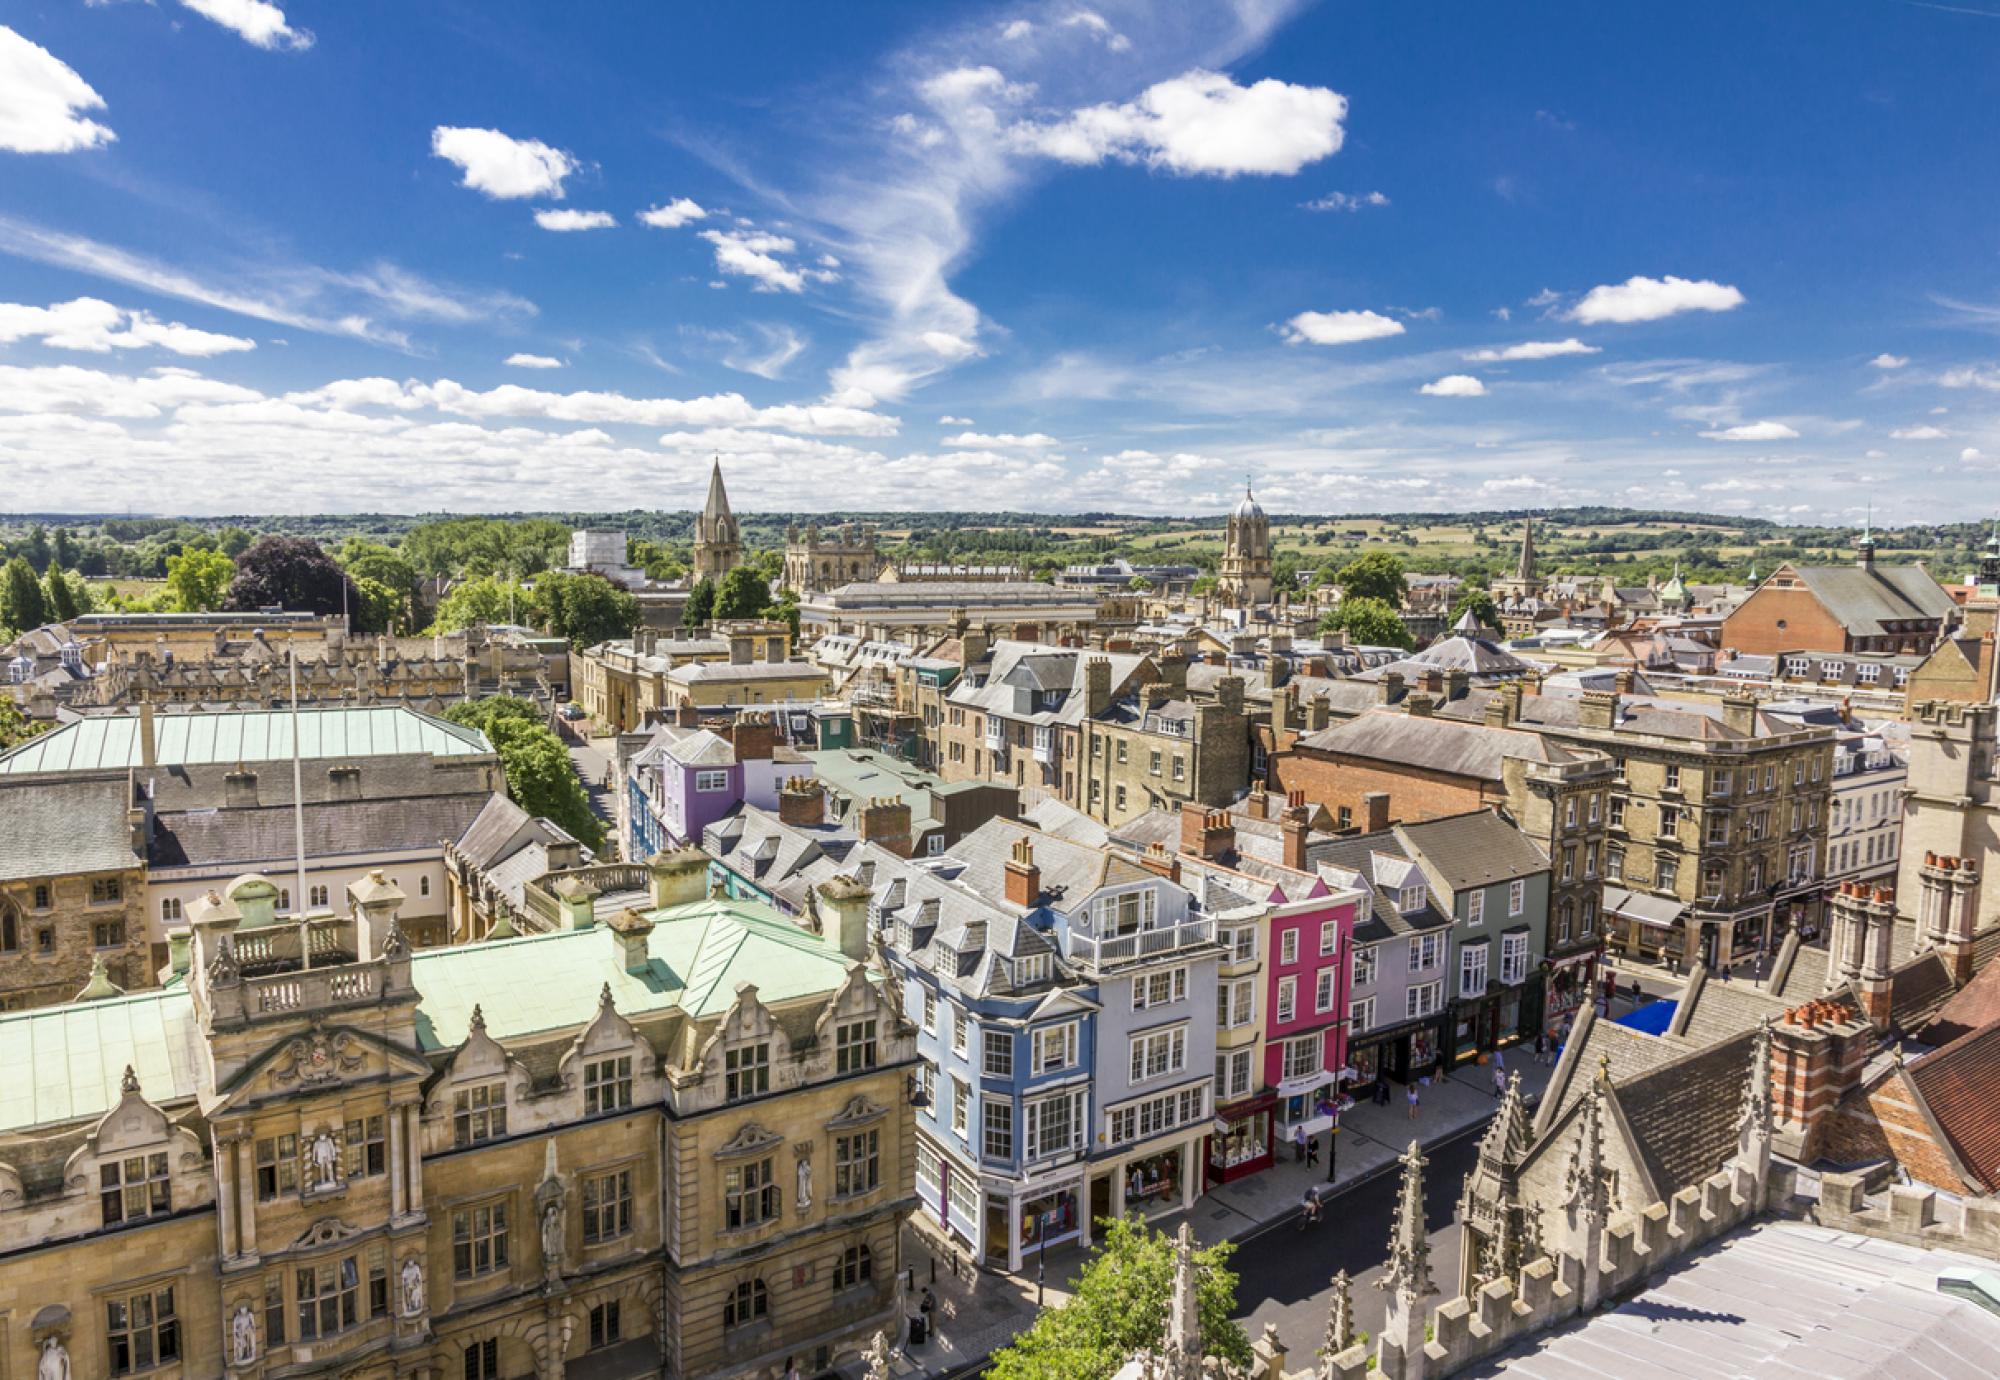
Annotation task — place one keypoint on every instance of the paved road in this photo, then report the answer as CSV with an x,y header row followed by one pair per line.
x,y
591,761
1284,1273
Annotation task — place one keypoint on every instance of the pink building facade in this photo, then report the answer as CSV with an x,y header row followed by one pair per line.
x,y
1308,973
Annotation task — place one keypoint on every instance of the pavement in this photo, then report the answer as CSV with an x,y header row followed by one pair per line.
x,y
1283,1269
591,758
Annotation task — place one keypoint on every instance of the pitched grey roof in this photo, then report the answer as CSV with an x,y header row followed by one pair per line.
x,y
1069,871
1433,744
788,860
1352,858
1472,850
1863,598
491,835
264,833
56,828
1040,668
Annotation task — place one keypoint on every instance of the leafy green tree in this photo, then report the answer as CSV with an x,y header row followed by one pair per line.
x,y
744,593
584,609
62,552
16,728
1369,622
1482,606
1377,575
367,560
37,548
291,573
1120,1308
22,606
198,581
787,609
377,607
700,605
63,594
484,600
233,541
540,777
486,546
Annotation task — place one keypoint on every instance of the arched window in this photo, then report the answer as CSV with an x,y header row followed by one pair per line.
x,y
857,1267
317,895
750,1303
10,928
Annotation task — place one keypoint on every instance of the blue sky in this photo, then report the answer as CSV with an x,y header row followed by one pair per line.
x,y
305,256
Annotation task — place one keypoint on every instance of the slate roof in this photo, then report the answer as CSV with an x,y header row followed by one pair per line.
x,y
258,834
1683,1112
749,670
758,846
1864,598
1041,668
1471,850
1431,744
51,828
1070,871
1961,1085
1918,991
1350,861
492,833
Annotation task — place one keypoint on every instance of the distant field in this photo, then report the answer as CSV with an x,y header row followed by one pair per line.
x,y
130,589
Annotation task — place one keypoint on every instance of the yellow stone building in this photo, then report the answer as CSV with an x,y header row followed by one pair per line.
x,y
675,1143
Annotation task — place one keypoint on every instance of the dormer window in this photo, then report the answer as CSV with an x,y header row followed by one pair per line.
x,y
746,1072
1032,968
1410,898
133,1188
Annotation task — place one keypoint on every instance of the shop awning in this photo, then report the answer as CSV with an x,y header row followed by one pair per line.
x,y
1659,911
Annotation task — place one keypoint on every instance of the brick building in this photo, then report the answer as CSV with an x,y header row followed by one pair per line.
x,y
1864,607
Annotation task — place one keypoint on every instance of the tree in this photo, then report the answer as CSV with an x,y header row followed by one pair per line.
x,y
368,560
1368,622
291,573
787,610
700,605
233,541
1377,575
16,728
485,600
198,581
64,594
744,593
37,549
22,606
540,777
1120,1308
1139,584
584,609
1482,606
377,607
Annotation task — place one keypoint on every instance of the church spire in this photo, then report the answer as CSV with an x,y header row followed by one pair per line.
x,y
1407,1276
718,544
717,508
1524,570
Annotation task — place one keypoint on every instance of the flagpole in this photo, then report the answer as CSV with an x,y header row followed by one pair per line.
x,y
299,817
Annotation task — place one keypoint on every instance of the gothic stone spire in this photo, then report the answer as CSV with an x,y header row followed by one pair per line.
x,y
1588,1201
1408,1274
1339,1323
1183,1347
1524,571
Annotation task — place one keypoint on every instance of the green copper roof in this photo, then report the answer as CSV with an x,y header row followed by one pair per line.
x,y
112,742
700,953
63,1063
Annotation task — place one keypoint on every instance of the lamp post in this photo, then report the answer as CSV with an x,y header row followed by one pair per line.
x,y
1333,1142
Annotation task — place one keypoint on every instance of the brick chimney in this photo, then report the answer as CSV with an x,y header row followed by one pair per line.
x,y
1154,694
1292,831
1947,911
1024,879
1390,688
1319,713
1495,712
972,647
1096,686
1456,683
1624,680
802,802
885,822
1420,705
1205,833
754,736
1374,812
1818,1053
1257,804
1598,709
1157,859
1739,713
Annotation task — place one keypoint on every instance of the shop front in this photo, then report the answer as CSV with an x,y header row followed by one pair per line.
x,y
1305,1104
1569,982
1154,1179
1400,1054
1502,1017
1240,1142
1643,927
1023,1219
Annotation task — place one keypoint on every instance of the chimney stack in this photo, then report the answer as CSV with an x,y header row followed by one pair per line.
x,y
1205,833
1390,688
1023,878
1292,829
148,753
239,789
1096,686
885,822
630,931
678,877
802,802
843,904
1374,812
1739,713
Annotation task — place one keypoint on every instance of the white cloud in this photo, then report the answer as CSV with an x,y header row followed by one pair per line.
x,y
1339,327
40,97
1972,376
674,214
1534,349
1754,431
1547,297
1651,299
1969,454
1006,440
1917,433
948,420
773,348
526,361
502,167
260,24
1016,30
1344,201
1504,313
1201,123
1455,386
753,254
945,345
1885,360
1099,28
564,218
69,388
97,326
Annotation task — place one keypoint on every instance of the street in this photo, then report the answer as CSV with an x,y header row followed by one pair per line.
x,y
1284,1273
592,758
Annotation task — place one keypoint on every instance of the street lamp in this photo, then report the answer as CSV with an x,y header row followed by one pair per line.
x,y
1332,1144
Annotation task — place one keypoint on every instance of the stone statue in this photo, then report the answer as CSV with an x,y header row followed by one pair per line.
x,y
552,1235
413,1288
805,1199
242,1335
54,1364
325,1161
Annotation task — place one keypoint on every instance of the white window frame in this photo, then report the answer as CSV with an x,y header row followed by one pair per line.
x,y
1475,907
1053,1048
1156,1054
1360,1015
709,782
1472,970
1287,1008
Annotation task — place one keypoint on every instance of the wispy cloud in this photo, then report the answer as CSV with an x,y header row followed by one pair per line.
x,y
1344,201
1534,349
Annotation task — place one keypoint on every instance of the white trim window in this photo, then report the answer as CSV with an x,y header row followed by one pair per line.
x,y
1365,961
1360,1015
1424,999
1475,907
1156,1115
1514,948
1288,947
1054,1047
1158,1053
997,1053
1232,1073
1426,951
1159,989
708,782
1323,991
1236,1002
1304,1056
1472,970
1288,998
1329,937
1055,1124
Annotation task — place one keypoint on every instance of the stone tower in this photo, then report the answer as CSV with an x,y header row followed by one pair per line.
x,y
1524,582
718,545
1244,580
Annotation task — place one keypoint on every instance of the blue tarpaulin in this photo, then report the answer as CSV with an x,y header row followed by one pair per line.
x,y
1653,1018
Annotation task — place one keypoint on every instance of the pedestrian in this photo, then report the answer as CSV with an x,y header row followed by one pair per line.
x,y
791,1368
927,1307
1298,1144
1382,1091
1541,1045
1499,1059
1499,1079
1412,1098
1312,1152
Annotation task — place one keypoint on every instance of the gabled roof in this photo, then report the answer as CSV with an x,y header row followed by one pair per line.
x,y
1472,850
1862,598
1973,1006
1070,871
1961,1085
1440,745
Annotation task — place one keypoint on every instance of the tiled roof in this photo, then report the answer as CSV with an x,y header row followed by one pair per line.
x,y
490,836
1917,991
111,742
1472,850
1683,1112
257,834
1961,1085
1974,1005
1863,598
1432,744
63,828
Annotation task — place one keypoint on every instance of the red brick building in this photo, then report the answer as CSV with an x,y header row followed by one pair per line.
x,y
1864,607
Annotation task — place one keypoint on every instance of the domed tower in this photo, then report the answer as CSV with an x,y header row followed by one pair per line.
x,y
718,546
1244,581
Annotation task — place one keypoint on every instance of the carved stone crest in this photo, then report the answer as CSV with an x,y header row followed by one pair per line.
x,y
317,1057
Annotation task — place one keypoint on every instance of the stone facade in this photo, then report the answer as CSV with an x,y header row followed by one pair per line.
x,y
1162,752
818,561
348,1174
56,925
1243,580
1952,808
